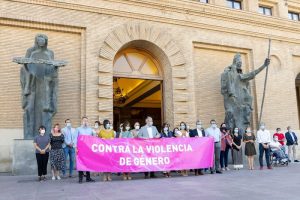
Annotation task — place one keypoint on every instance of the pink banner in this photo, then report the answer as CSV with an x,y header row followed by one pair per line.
x,y
140,155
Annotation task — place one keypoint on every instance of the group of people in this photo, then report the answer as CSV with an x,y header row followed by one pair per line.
x,y
61,144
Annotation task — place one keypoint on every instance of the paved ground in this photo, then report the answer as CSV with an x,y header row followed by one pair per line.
x,y
280,183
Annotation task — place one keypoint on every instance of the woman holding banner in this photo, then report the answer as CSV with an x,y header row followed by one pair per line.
x,y
135,131
183,132
106,133
166,133
126,133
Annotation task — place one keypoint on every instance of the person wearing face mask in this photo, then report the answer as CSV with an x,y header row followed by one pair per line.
x,y
121,129
214,131
237,150
277,150
149,132
166,133
42,144
175,131
96,128
264,139
183,132
108,134
291,142
69,146
136,129
84,129
226,145
126,133
57,155
250,151
198,132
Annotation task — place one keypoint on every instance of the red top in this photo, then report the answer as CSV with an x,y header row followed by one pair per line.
x,y
280,137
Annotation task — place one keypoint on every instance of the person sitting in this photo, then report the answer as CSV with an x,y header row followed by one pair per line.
x,y
277,149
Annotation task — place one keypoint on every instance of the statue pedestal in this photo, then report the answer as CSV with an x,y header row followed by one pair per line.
x,y
24,161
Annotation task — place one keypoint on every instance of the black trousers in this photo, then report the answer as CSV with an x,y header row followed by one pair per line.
x,y
88,175
151,174
42,162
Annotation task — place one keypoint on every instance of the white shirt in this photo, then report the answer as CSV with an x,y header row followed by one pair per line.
x,y
213,132
263,136
199,133
149,129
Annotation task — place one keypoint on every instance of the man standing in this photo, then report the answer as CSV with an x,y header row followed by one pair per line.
x,y
198,132
291,142
264,139
69,146
214,131
84,129
148,132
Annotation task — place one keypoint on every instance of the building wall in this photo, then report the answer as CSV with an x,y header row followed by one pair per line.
x,y
193,41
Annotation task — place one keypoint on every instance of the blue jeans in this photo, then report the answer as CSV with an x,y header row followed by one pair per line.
x,y
71,153
224,157
262,150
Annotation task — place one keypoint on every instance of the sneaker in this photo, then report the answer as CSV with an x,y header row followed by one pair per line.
x,y
218,172
227,169
296,160
223,169
270,167
53,178
40,178
58,178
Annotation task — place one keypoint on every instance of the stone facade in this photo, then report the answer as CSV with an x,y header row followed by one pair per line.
x,y
192,41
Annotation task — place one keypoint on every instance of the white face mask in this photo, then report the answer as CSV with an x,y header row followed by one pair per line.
x,y
137,127
214,125
166,129
236,130
290,131
69,124
150,123
96,126
199,126
262,127
182,127
107,126
43,131
248,131
127,128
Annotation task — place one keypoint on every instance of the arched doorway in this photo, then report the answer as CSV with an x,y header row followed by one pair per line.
x,y
137,87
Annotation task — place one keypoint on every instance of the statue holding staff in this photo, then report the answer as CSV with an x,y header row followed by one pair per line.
x,y
235,88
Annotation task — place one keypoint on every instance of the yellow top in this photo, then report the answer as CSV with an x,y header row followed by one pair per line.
x,y
106,134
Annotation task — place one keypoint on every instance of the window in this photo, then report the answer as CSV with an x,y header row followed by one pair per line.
x,y
265,10
236,4
294,16
203,1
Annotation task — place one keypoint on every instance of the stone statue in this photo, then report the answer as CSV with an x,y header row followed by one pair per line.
x,y
235,88
39,83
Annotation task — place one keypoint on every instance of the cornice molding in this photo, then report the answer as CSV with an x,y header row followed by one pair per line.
x,y
191,8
